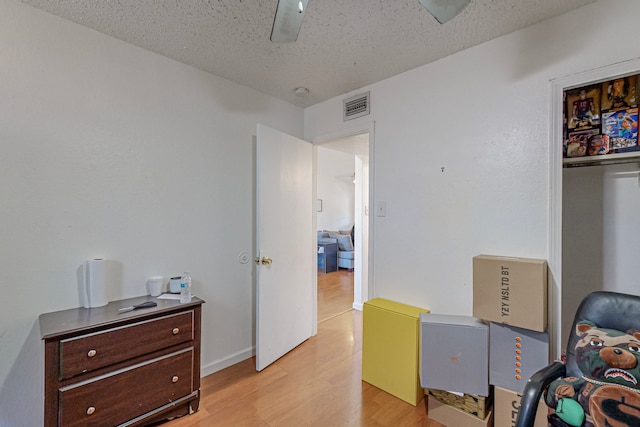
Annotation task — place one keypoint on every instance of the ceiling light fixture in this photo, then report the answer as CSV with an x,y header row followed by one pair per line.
x,y
288,20
301,91
444,10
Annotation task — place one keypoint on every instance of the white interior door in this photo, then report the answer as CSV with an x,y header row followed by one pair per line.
x,y
285,255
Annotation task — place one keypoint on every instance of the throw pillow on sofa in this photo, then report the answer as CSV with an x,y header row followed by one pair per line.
x,y
344,241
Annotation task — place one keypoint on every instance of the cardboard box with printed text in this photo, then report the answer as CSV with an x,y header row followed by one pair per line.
x,y
512,291
507,406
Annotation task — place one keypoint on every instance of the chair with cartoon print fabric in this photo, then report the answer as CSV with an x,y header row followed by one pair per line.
x,y
598,384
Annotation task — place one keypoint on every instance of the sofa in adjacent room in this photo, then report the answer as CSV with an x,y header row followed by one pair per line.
x,y
344,239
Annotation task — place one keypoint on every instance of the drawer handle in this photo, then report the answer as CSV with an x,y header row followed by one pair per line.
x,y
176,331
174,379
91,410
92,353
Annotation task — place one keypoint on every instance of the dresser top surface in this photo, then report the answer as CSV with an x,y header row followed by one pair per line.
x,y
64,322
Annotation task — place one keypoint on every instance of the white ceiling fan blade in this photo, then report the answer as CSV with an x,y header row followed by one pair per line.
x,y
288,20
444,10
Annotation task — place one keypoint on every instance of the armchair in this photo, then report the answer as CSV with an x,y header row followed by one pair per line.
x,y
607,310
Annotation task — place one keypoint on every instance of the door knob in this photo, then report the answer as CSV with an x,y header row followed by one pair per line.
x,y
265,261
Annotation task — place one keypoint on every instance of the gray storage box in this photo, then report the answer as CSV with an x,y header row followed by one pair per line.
x,y
454,354
516,354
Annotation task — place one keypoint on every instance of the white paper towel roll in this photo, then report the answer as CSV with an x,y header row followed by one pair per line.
x,y
95,274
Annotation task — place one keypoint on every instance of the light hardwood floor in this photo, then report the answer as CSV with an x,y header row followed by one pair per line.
x,y
335,294
317,384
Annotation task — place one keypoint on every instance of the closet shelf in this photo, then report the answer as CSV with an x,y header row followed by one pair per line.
x,y
605,159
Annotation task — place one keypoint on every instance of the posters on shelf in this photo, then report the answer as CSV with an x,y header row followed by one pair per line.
x,y
602,118
622,128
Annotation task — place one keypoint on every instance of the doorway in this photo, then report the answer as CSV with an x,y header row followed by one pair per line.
x,y
336,212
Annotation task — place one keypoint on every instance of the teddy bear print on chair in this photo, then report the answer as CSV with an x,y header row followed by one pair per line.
x,y
607,394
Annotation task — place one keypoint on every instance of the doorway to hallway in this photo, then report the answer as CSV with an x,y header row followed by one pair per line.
x,y
343,188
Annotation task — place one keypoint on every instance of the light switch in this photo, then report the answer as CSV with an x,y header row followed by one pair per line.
x,y
381,209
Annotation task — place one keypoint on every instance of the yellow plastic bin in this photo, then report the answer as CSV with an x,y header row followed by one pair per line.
x,y
390,338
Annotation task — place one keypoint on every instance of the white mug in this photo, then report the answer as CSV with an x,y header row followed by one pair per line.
x,y
154,285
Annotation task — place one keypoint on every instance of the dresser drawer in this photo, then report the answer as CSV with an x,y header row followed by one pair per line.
x,y
89,352
115,398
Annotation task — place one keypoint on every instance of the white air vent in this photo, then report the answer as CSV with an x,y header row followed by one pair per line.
x,y
356,106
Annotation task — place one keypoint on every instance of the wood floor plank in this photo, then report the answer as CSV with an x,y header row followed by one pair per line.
x,y
317,384
335,293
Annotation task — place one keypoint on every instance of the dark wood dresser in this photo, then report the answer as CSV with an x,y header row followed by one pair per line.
x,y
103,368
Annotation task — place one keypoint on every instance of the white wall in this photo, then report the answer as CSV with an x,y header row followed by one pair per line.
x,y
336,189
621,245
483,116
601,234
110,150
582,238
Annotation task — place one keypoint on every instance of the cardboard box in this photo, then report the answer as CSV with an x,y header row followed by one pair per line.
x,y
454,353
478,406
390,348
512,291
515,355
507,405
453,417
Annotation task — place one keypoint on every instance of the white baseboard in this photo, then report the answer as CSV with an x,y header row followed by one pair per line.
x,y
357,306
220,364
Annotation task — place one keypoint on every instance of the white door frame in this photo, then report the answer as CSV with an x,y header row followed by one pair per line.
x,y
369,128
555,182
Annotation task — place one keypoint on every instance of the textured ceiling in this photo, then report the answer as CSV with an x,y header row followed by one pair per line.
x,y
343,44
